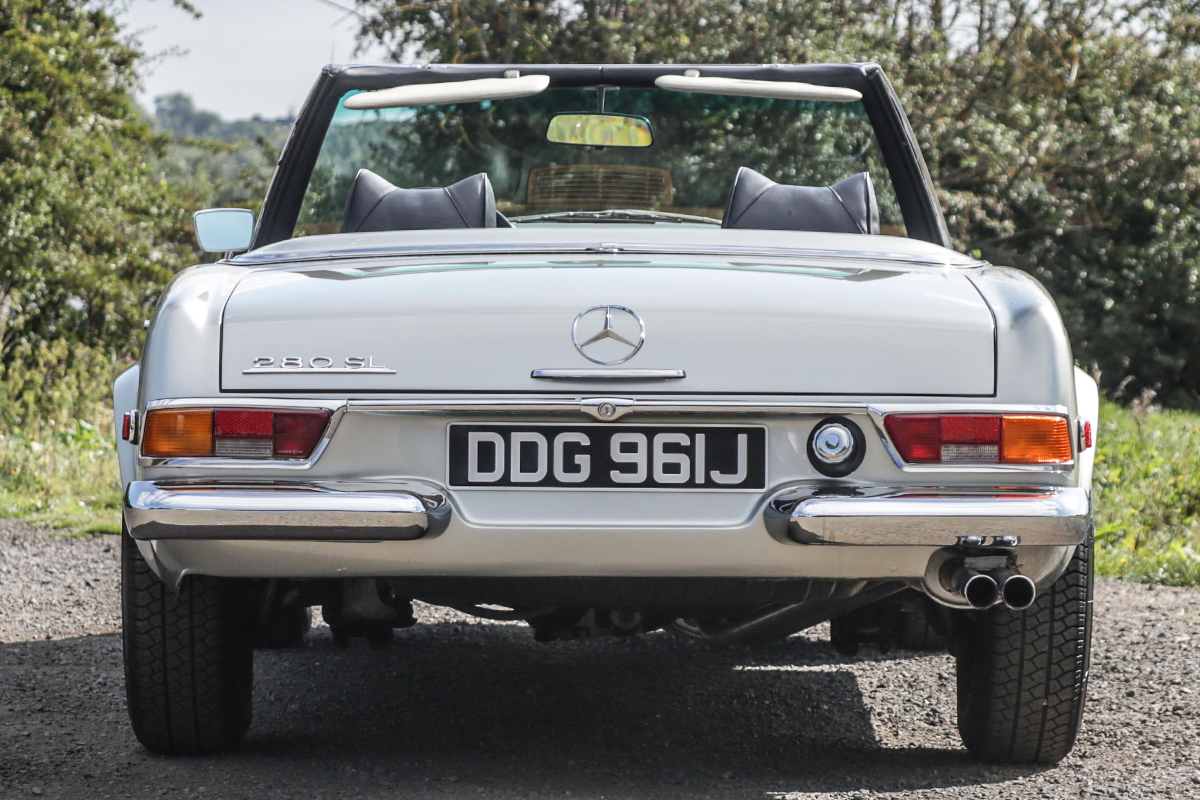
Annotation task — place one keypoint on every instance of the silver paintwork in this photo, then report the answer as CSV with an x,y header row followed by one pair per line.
x,y
756,363
930,331
125,398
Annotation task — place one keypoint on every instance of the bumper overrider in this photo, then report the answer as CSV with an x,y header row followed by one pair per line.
x,y
1041,516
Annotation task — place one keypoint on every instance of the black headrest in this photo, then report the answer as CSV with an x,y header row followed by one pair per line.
x,y
760,203
376,205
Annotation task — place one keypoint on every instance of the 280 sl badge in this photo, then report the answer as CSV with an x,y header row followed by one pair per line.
x,y
265,365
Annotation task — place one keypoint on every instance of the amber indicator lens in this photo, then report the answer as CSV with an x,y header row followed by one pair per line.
x,y
174,433
1036,439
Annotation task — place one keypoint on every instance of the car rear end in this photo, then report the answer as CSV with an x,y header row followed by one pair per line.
x,y
788,421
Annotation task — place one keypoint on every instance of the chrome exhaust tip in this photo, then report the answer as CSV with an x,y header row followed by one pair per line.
x,y
1017,591
980,590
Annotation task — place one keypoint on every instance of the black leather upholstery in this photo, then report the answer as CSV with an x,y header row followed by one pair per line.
x,y
376,205
760,203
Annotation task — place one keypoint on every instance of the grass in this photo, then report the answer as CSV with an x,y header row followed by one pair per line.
x,y
1147,496
62,476
1147,488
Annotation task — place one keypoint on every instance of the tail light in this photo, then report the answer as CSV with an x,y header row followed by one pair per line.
x,y
980,439
232,433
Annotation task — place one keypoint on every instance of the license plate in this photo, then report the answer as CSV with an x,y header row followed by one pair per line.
x,y
608,456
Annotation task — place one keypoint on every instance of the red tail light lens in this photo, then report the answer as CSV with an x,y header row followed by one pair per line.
x,y
233,433
980,439
297,432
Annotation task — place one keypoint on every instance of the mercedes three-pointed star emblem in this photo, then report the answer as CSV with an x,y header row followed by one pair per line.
x,y
619,334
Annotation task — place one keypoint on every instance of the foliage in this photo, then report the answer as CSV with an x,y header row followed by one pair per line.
x,y
214,162
177,115
89,236
1147,495
1064,135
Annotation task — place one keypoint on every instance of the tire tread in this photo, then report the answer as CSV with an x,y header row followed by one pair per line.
x,y
1023,678
188,660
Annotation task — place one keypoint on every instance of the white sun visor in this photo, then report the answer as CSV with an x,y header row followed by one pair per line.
x,y
691,81
433,94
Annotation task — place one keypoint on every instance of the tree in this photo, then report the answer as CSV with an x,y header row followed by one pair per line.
x,y
1063,135
89,235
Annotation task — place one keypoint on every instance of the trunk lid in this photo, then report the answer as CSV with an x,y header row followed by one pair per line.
x,y
746,327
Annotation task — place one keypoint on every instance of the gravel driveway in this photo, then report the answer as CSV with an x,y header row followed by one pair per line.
x,y
460,708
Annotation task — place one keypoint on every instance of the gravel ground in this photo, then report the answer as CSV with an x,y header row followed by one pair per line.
x,y
461,708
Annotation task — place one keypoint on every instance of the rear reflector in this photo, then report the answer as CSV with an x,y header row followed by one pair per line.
x,y
297,432
980,439
233,433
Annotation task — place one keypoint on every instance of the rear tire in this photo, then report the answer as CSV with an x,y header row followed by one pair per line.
x,y
1022,675
188,659
915,629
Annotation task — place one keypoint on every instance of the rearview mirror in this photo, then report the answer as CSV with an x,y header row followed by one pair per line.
x,y
600,130
224,230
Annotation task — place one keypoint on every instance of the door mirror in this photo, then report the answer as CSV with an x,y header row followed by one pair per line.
x,y
600,130
224,230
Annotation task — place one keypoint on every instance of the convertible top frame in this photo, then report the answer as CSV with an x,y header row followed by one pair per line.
x,y
914,189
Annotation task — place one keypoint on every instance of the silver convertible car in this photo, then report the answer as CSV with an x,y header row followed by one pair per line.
x,y
610,350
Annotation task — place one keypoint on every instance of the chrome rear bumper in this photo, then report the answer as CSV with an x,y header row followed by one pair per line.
x,y
808,516
937,517
303,512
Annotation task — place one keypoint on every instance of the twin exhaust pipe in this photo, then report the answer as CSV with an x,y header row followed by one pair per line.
x,y
985,589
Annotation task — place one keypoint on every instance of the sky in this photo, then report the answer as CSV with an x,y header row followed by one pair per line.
x,y
243,57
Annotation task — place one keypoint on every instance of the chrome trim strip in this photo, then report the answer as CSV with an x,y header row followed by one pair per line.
x,y
511,248
937,517
619,407
224,401
608,374
215,511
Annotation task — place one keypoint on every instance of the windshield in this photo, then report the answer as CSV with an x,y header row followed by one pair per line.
x,y
696,143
